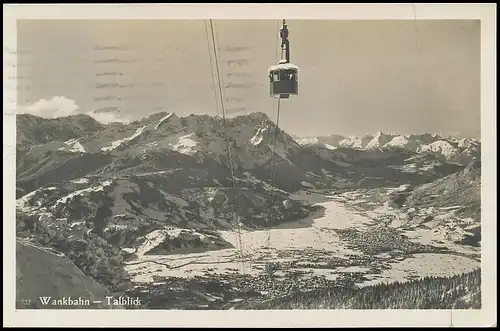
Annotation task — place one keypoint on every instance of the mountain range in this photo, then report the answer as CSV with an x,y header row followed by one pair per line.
x,y
452,149
168,183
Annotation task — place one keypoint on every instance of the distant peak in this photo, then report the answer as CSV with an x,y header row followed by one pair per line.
x,y
255,118
260,116
80,117
157,116
76,117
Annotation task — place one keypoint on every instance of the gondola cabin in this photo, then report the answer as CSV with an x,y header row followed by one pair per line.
x,y
284,80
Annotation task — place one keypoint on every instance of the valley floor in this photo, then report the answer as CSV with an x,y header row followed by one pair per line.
x,y
340,245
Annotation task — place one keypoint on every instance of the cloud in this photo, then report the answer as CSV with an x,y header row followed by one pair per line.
x,y
60,106
106,118
55,107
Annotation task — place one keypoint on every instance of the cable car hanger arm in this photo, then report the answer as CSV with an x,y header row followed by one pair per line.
x,y
285,43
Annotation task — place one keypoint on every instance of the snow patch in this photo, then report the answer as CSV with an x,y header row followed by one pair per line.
x,y
162,120
355,142
424,265
378,141
284,66
185,144
402,142
80,181
74,146
83,192
308,141
354,269
22,202
155,238
441,146
451,207
118,143
258,137
72,225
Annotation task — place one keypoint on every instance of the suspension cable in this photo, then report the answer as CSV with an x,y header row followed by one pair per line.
x,y
416,29
278,56
420,63
277,59
273,173
212,70
235,202
273,156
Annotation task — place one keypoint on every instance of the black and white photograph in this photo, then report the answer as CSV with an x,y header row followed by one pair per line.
x,y
267,163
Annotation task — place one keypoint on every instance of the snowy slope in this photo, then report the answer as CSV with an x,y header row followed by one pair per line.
x,y
379,140
127,180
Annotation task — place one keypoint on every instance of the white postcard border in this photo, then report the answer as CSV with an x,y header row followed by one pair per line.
x,y
311,318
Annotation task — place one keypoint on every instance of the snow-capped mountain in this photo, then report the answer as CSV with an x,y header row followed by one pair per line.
x,y
34,130
195,146
249,137
130,183
452,149
105,195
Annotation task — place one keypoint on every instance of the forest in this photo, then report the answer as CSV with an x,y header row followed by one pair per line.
x,y
457,292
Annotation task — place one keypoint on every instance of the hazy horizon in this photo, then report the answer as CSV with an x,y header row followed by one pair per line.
x,y
356,76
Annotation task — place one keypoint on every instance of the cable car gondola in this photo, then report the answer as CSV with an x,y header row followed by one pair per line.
x,y
284,77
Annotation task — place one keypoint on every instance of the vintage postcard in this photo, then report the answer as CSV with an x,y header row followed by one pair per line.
x,y
249,165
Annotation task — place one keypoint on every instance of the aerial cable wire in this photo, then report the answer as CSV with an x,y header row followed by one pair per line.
x,y
273,156
212,70
230,159
273,174
278,56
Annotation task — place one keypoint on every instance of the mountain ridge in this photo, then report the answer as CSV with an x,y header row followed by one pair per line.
x,y
459,150
166,184
450,148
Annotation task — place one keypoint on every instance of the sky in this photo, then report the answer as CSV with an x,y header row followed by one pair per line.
x,y
356,76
